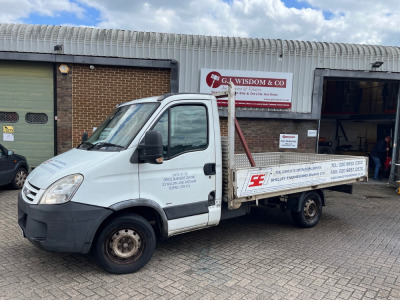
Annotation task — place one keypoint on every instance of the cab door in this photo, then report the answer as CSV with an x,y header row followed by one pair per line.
x,y
184,184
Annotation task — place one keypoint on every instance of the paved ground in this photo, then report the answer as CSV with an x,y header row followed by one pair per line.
x,y
353,253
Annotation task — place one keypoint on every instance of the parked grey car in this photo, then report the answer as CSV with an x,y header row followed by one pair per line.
x,y
13,168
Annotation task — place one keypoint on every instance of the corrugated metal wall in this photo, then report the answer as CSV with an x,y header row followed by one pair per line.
x,y
194,52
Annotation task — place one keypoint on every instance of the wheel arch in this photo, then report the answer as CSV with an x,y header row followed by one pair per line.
x,y
297,199
148,209
21,164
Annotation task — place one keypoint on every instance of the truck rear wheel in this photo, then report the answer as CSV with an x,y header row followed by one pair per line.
x,y
126,244
310,210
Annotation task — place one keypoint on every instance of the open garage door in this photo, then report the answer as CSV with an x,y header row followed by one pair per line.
x,y
357,110
356,114
27,109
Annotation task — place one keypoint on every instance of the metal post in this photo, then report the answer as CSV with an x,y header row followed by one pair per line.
x,y
244,144
231,125
395,141
231,145
317,144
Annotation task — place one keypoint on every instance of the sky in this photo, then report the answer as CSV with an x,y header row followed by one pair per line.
x,y
375,22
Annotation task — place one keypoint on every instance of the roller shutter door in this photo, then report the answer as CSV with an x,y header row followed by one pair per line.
x,y
27,109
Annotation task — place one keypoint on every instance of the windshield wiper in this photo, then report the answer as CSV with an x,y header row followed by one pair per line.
x,y
104,144
85,143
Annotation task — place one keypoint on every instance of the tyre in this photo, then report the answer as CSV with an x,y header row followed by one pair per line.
x,y
310,210
125,244
19,178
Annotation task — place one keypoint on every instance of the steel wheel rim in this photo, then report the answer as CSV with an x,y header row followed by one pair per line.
x,y
310,209
20,178
124,246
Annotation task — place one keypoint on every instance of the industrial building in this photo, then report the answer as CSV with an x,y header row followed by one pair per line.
x,y
57,82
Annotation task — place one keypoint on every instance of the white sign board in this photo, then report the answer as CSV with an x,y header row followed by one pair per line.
x,y
312,133
288,141
8,137
286,177
253,89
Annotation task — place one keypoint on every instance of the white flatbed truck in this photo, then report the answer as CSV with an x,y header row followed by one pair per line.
x,y
158,167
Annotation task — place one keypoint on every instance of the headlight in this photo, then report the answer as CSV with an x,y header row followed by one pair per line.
x,y
62,190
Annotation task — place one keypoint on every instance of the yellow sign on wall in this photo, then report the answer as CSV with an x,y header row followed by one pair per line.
x,y
8,129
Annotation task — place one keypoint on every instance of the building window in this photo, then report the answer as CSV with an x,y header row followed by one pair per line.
x,y
36,118
8,117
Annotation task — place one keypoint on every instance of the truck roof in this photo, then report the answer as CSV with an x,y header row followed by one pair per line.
x,y
171,97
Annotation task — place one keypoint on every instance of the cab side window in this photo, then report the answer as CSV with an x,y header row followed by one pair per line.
x,y
183,128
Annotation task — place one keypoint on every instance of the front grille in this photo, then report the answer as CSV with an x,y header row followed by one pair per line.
x,y
30,192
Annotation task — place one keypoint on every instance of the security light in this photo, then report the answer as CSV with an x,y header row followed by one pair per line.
x,y
377,64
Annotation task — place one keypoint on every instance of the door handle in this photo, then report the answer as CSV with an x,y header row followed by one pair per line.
x,y
209,169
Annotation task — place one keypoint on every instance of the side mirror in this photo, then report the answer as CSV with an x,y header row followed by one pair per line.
x,y
85,136
10,152
151,148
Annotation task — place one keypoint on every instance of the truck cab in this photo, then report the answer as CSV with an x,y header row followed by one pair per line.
x,y
152,168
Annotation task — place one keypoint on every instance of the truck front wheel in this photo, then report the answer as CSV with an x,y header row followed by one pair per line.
x,y
125,244
310,210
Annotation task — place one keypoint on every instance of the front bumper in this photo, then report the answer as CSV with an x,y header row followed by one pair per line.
x,y
68,227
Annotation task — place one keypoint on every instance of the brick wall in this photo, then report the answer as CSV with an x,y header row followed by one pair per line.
x,y
262,135
85,97
96,92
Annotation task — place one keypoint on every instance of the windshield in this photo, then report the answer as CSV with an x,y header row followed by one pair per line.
x,y
120,128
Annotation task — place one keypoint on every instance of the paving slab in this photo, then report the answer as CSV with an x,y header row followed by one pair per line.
x,y
352,253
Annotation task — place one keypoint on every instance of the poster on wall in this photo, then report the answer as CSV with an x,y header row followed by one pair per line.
x,y
8,133
253,88
8,137
288,141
